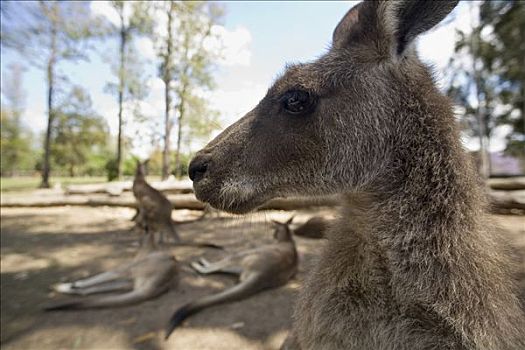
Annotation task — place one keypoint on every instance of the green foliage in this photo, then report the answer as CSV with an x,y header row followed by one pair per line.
x,y
139,21
201,121
186,69
128,168
45,34
26,183
79,136
135,19
506,58
111,169
491,86
129,165
50,30
184,163
155,162
16,152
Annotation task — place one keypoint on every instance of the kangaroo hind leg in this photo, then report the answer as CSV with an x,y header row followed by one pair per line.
x,y
73,287
112,286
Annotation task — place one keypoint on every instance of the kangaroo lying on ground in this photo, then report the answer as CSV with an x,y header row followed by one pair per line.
x,y
315,227
151,273
413,262
266,267
154,211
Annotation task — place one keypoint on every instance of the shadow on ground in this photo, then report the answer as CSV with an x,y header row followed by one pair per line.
x,y
42,246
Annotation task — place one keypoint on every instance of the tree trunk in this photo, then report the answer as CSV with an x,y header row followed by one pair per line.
x,y
488,158
167,97
167,131
182,105
50,109
480,110
178,170
50,114
123,39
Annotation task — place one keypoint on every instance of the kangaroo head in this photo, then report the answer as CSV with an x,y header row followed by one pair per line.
x,y
141,169
282,232
334,125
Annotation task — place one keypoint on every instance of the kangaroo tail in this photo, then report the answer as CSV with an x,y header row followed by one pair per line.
x,y
132,297
247,288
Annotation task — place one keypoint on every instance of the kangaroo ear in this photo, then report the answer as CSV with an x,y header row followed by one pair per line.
x,y
413,17
346,27
388,27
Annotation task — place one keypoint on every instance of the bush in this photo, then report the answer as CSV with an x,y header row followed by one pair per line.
x,y
112,169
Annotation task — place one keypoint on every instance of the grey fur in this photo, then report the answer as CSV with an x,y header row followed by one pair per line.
x,y
266,267
414,262
151,273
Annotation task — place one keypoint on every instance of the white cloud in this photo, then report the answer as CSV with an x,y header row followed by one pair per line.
x,y
233,45
104,9
233,104
145,47
35,117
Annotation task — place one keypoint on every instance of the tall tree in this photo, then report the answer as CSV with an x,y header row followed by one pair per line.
x,y
506,58
185,68
16,149
45,34
134,19
488,80
79,133
165,53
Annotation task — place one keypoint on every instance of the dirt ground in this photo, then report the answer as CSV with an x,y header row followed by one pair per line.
x,y
42,246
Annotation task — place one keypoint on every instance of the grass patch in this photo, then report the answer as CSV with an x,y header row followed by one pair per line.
x,y
27,183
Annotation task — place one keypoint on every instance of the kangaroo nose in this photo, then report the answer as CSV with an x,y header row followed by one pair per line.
x,y
198,167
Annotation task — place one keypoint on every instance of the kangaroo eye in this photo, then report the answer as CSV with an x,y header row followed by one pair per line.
x,y
297,102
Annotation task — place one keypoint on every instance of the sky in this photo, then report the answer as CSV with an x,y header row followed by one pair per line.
x,y
259,38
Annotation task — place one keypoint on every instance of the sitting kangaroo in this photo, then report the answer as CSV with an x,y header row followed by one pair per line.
x,y
266,267
154,211
150,273
413,262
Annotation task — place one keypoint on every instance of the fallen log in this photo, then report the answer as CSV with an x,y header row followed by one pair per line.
x,y
90,201
498,199
178,201
507,183
507,199
185,186
117,188
112,188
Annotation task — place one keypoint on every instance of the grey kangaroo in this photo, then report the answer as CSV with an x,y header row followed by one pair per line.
x,y
151,273
413,262
269,266
154,211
